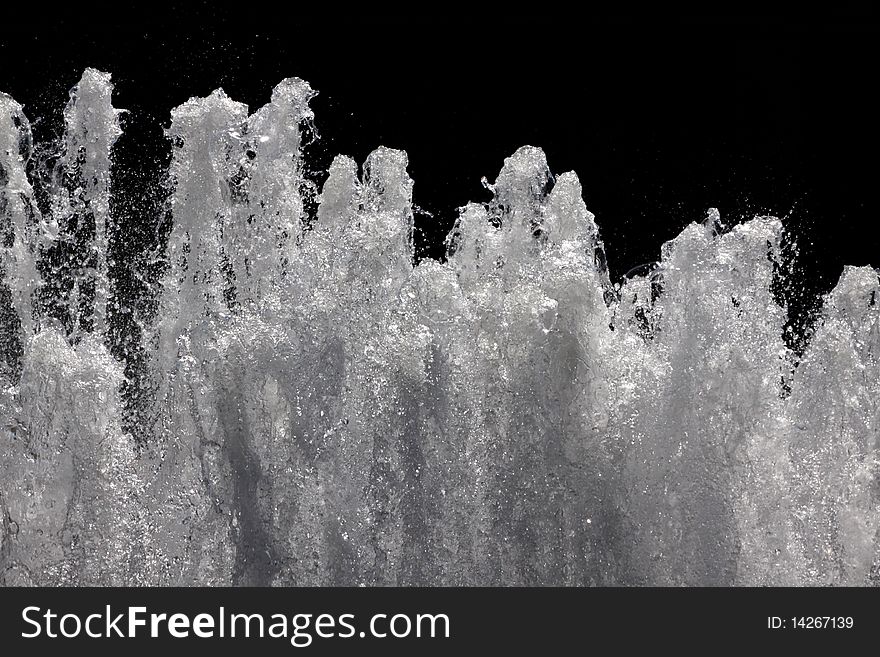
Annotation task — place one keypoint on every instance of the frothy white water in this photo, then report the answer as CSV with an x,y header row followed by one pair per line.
x,y
324,412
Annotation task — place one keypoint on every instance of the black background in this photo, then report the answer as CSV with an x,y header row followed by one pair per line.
x,y
661,117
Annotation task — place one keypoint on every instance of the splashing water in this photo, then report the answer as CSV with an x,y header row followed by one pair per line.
x,y
318,411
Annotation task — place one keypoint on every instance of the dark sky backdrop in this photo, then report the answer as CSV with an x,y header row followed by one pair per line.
x,y
661,118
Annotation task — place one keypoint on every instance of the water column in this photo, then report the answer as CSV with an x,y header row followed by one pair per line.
x,y
20,225
717,338
538,320
262,239
192,486
91,128
575,391
382,357
833,434
72,482
20,222
282,367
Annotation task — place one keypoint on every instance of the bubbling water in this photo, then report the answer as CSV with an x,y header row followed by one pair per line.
x,y
322,412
